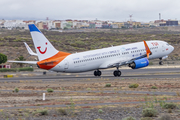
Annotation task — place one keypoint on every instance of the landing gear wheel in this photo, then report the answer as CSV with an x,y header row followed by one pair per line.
x,y
97,73
117,73
161,63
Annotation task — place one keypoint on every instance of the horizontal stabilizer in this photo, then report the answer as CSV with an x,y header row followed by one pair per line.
x,y
28,62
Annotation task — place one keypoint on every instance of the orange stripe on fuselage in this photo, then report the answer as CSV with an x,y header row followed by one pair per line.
x,y
52,61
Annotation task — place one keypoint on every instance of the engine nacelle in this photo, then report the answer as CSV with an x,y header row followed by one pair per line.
x,y
144,62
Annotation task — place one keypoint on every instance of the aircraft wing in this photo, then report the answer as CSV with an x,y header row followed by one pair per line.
x,y
28,62
117,64
29,49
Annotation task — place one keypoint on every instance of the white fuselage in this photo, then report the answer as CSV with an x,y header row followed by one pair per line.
x,y
102,58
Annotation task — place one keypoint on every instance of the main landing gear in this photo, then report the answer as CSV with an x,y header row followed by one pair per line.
x,y
160,62
97,73
117,73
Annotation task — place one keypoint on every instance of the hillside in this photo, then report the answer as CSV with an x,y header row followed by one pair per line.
x,y
11,41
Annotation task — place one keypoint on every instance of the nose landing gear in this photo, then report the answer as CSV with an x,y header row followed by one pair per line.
x,y
160,62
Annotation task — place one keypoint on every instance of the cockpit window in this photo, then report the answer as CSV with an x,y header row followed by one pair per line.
x,y
167,44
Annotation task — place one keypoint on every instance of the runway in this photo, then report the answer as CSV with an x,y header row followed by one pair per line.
x,y
106,74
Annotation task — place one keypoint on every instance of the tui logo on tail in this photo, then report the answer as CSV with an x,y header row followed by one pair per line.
x,y
42,52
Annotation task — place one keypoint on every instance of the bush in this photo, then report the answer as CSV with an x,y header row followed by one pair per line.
x,y
62,111
50,90
108,85
26,69
169,106
16,69
89,89
100,111
16,90
129,118
8,70
165,117
3,58
169,111
133,85
149,112
146,118
153,87
41,112
98,119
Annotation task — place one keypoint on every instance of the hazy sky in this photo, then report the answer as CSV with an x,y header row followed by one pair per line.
x,y
117,10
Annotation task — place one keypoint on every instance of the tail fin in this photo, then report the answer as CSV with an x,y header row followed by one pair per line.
x,y
29,49
44,48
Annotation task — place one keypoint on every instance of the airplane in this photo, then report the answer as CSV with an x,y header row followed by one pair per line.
x,y
135,55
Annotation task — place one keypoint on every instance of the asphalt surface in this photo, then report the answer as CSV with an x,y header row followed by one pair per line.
x,y
126,73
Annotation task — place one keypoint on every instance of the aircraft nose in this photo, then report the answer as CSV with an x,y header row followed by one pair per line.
x,y
172,48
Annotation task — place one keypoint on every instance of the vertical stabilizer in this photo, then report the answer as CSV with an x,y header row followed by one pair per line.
x,y
44,48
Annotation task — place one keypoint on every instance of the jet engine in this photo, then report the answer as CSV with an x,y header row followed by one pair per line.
x,y
143,62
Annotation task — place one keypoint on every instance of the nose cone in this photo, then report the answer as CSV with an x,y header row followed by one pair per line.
x,y
172,48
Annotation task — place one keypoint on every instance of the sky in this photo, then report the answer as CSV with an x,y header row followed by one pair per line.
x,y
115,10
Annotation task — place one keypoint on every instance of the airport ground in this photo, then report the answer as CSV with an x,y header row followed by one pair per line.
x,y
85,97
82,96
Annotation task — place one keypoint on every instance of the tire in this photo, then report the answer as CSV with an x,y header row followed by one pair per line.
x,y
98,73
115,73
161,63
119,73
95,73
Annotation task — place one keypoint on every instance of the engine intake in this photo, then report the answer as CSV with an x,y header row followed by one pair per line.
x,y
144,62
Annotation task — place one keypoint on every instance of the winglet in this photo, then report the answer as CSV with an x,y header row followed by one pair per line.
x,y
29,49
148,52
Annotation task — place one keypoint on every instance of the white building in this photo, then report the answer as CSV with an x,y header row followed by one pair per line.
x,y
98,24
10,24
50,24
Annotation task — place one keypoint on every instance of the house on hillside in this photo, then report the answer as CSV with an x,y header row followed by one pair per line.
x,y
67,24
169,23
57,24
28,22
5,66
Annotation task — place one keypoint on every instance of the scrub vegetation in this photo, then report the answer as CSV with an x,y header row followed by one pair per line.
x,y
65,97
141,103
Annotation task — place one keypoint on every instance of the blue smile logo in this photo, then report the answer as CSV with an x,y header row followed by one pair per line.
x,y
123,49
